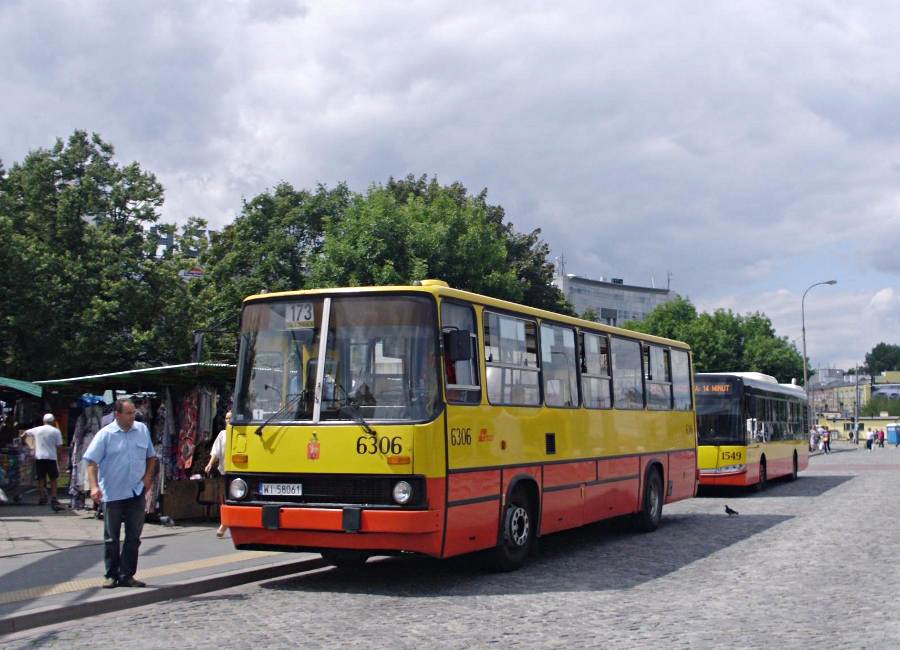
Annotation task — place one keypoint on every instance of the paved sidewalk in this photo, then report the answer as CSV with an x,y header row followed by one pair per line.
x,y
51,565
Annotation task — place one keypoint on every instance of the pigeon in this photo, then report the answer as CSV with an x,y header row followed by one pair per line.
x,y
730,512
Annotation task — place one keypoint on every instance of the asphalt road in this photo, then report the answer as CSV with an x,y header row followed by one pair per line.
x,y
814,563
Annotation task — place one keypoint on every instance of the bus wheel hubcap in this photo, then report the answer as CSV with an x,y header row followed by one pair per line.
x,y
519,526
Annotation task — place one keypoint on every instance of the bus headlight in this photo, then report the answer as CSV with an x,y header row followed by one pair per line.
x,y
238,489
402,492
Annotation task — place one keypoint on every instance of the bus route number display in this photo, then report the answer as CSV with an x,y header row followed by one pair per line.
x,y
299,315
718,389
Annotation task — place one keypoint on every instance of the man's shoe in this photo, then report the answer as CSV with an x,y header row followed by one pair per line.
x,y
131,582
109,583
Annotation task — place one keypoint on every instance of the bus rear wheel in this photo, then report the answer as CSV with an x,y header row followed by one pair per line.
x,y
763,477
650,514
793,475
517,533
344,558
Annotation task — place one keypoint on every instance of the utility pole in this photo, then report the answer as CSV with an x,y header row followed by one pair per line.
x,y
856,409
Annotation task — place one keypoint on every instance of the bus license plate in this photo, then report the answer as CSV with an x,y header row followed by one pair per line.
x,y
281,489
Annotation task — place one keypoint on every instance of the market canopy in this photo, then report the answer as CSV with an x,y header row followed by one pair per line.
x,y
185,374
21,386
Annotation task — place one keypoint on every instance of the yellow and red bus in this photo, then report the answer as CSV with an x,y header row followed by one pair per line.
x,y
750,429
424,419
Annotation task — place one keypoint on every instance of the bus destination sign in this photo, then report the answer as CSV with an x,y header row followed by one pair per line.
x,y
720,389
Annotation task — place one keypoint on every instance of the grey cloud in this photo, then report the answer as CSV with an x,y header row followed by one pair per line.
x,y
734,145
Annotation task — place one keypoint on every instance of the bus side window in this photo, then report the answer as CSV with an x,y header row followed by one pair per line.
x,y
681,380
559,365
511,360
627,364
461,376
659,379
595,378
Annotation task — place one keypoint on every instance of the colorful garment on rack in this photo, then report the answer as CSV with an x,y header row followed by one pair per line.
x,y
188,435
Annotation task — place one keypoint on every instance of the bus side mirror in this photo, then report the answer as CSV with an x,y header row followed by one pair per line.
x,y
458,345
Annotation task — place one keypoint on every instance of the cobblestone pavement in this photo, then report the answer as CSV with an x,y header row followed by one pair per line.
x,y
807,564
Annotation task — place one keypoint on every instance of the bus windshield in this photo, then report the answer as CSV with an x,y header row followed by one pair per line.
x,y
380,359
719,418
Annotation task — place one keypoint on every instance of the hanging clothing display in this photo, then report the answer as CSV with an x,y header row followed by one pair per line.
x,y
86,426
187,437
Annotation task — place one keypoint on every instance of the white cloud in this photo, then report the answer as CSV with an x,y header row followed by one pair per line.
x,y
841,326
741,146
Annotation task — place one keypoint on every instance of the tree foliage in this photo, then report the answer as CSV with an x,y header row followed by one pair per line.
x,y
96,276
724,341
85,291
883,357
880,404
414,229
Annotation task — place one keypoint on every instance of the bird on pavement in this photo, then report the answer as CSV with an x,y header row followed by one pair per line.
x,y
730,511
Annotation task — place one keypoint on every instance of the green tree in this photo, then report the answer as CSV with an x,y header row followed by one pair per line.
x,y
880,404
415,228
590,314
268,247
724,341
89,292
883,357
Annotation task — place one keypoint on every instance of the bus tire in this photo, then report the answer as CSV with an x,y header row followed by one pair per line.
x,y
345,558
517,533
793,475
648,517
763,476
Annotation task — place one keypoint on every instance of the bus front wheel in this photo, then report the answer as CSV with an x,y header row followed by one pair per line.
x,y
345,559
650,514
517,533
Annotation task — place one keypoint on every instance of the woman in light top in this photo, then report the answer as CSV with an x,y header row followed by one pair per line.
x,y
217,459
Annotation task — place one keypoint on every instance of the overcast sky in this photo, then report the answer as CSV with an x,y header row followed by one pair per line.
x,y
750,149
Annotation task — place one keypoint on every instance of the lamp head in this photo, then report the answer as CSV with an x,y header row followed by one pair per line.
x,y
831,282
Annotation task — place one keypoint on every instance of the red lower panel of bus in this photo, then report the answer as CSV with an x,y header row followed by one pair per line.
x,y
775,468
472,527
572,494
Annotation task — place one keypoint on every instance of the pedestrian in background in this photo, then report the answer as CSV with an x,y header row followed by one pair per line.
x,y
47,441
870,439
121,461
881,438
826,441
217,459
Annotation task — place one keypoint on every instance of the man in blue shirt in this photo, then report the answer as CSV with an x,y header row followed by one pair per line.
x,y
121,461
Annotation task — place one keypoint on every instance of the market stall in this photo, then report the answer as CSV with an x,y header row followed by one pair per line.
x,y
182,405
21,407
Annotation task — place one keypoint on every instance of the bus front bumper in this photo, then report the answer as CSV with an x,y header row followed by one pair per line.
x,y
724,476
350,527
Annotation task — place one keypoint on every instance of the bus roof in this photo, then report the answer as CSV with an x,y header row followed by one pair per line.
x,y
439,288
755,380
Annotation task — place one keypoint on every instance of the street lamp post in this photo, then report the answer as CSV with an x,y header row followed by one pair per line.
x,y
803,329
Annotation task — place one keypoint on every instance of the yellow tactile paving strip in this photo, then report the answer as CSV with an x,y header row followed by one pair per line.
x,y
95,583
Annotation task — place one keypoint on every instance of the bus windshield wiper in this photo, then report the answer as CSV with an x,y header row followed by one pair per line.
x,y
282,411
351,408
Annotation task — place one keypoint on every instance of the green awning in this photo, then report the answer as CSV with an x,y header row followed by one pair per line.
x,y
22,386
149,379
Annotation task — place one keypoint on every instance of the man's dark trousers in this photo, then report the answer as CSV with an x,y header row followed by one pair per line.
x,y
131,513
